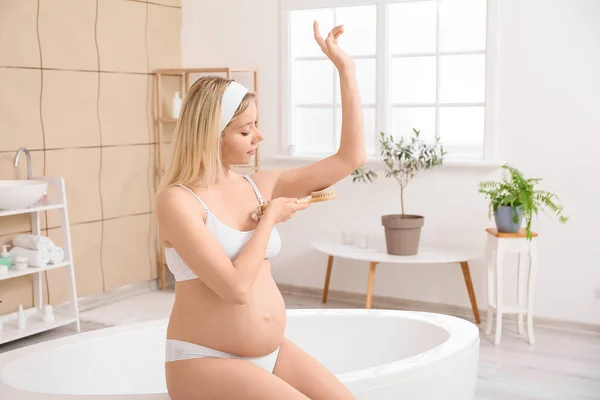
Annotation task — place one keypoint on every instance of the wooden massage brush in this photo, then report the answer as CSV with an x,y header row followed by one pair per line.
x,y
315,197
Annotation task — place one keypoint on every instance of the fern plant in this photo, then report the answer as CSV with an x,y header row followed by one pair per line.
x,y
516,191
404,159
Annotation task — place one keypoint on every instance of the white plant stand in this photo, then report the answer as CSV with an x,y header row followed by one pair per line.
x,y
63,316
498,245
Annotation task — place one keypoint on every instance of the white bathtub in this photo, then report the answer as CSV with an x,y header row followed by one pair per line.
x,y
378,354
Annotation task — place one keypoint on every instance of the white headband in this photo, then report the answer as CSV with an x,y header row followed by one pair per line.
x,y
230,102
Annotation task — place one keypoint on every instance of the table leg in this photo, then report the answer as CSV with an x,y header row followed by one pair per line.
x,y
327,279
533,266
372,266
467,274
490,262
520,289
498,291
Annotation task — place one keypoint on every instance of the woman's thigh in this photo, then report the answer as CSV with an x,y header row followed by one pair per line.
x,y
306,374
230,379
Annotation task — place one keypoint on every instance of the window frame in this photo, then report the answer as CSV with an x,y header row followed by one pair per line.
x,y
383,105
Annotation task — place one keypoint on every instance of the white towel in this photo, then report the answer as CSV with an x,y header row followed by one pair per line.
x,y
33,242
57,255
35,258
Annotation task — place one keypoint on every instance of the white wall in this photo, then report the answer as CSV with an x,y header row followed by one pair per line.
x,y
549,63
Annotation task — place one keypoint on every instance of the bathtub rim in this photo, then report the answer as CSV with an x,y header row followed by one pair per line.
x,y
463,336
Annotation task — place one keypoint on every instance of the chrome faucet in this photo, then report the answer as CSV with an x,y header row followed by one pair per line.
x,y
24,150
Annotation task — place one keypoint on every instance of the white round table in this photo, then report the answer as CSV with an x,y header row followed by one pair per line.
x,y
426,255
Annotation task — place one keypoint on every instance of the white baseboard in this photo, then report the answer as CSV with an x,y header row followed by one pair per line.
x,y
101,299
388,302
358,299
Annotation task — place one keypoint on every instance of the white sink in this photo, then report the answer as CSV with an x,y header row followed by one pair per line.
x,y
19,194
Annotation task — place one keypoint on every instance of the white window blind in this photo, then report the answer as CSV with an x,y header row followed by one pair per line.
x,y
420,64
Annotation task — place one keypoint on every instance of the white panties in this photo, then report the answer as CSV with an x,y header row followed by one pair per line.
x,y
180,350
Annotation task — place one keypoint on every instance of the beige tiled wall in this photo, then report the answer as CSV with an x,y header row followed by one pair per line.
x,y
77,86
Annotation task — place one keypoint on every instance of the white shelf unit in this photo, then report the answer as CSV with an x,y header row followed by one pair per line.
x,y
68,315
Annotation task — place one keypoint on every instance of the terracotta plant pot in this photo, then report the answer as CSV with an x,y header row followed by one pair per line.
x,y
402,233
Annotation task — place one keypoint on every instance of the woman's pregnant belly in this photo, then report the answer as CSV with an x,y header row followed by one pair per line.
x,y
249,330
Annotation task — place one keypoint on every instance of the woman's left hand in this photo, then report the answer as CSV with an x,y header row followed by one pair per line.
x,y
330,47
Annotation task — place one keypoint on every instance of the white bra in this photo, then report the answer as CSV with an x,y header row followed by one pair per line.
x,y
232,240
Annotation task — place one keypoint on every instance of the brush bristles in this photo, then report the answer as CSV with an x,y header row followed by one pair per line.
x,y
315,197
323,193
320,195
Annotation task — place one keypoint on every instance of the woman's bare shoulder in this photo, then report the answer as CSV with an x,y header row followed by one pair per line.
x,y
169,197
177,200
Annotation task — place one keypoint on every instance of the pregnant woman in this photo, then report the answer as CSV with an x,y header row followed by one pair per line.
x,y
225,338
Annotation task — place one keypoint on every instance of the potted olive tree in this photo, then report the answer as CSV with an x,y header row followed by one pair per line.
x,y
514,198
403,159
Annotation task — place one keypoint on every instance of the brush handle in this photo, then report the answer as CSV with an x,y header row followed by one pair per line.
x,y
303,200
307,200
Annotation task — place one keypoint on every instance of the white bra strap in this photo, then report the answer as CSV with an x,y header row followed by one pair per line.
x,y
256,191
195,195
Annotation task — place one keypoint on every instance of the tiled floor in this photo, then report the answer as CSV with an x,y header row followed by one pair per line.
x,y
561,365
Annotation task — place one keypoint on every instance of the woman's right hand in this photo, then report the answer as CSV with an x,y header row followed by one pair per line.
x,y
281,209
330,47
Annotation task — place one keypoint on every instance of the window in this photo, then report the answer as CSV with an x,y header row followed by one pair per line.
x,y
422,64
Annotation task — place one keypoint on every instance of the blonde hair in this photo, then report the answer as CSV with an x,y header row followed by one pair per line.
x,y
196,152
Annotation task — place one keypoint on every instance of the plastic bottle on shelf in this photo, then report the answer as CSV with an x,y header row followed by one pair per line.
x,y
21,318
5,260
176,105
48,313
